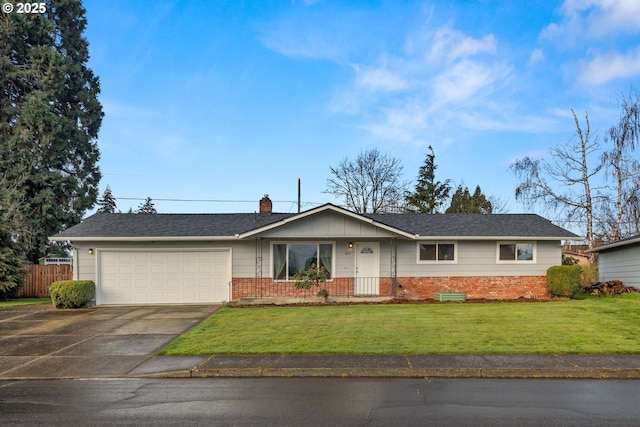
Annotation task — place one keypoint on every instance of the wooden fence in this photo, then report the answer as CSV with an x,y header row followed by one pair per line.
x,y
40,277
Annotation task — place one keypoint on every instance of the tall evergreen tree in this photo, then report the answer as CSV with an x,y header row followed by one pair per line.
x,y
147,207
11,263
107,202
463,201
11,258
429,194
49,120
11,254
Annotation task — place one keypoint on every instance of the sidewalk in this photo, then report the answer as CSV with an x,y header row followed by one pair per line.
x,y
415,366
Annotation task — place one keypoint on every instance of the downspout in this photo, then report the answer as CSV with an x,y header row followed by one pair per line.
x,y
75,263
259,264
394,267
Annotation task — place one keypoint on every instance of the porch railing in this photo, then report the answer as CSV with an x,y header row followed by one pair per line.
x,y
343,287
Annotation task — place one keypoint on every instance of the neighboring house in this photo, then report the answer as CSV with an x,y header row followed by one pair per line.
x,y
49,260
201,258
620,261
577,252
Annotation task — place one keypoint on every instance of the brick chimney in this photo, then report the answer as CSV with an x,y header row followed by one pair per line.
x,y
265,205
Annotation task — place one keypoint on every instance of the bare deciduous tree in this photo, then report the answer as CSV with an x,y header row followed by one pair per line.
x,y
621,165
563,184
372,183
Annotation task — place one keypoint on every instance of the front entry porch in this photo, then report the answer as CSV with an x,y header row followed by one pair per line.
x,y
349,288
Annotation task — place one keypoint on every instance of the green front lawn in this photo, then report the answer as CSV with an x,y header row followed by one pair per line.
x,y
589,326
24,301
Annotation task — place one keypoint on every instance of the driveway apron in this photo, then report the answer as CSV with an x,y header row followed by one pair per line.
x,y
39,341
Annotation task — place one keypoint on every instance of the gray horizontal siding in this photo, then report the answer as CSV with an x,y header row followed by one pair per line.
x,y
621,264
477,258
327,225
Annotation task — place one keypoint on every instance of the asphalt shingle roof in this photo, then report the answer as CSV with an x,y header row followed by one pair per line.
x,y
474,225
104,225
168,225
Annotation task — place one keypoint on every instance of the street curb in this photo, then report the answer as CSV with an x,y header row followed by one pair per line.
x,y
513,373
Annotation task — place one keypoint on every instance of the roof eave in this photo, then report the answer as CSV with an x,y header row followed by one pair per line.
x,y
549,238
141,239
613,245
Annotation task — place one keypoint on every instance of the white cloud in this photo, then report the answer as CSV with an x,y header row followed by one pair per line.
x,y
436,71
462,82
450,45
403,124
379,79
304,44
537,55
594,19
608,16
607,67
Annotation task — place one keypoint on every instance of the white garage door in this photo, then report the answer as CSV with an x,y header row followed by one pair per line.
x,y
164,277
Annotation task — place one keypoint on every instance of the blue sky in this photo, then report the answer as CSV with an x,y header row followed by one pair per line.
x,y
226,101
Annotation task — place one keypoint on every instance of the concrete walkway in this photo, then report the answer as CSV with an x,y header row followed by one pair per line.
x,y
39,342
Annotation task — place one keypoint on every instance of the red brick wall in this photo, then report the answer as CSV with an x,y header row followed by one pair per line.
x,y
477,287
266,287
416,288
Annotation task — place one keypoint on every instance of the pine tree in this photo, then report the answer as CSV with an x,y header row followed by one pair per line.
x,y
49,120
11,262
463,201
429,194
147,207
107,202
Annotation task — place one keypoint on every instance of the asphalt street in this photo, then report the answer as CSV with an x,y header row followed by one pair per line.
x,y
319,402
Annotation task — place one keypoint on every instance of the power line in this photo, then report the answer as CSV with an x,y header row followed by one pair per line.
x,y
212,200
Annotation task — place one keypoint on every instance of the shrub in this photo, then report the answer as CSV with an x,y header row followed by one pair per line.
x,y
72,293
314,276
564,280
589,273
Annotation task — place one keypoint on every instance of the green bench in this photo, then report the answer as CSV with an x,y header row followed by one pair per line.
x,y
450,296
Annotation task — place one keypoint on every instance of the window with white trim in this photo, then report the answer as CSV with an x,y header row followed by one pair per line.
x,y
516,252
429,252
289,258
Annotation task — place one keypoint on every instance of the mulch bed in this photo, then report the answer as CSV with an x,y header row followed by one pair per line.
x,y
393,301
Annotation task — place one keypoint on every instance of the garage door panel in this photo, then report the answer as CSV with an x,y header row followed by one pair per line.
x,y
164,277
171,269
189,268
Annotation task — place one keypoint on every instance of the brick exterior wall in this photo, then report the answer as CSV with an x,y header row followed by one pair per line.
x,y
413,288
476,287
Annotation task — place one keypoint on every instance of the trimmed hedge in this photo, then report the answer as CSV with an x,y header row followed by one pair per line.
x,y
564,280
72,293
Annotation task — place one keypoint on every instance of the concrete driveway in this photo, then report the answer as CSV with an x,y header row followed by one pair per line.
x,y
39,341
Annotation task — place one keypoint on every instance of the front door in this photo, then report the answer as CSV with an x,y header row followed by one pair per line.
x,y
367,268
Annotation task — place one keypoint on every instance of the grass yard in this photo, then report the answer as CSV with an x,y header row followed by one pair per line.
x,y
589,326
24,301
